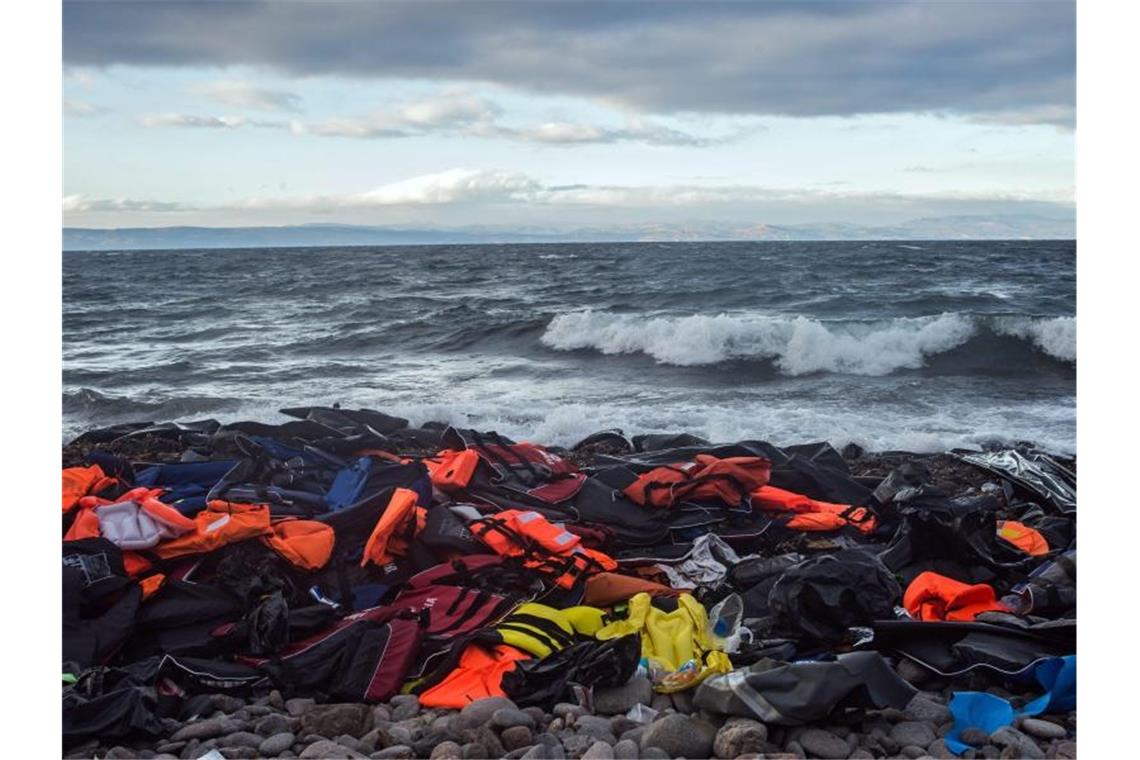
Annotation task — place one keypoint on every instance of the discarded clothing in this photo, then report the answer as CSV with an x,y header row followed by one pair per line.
x,y
931,596
792,694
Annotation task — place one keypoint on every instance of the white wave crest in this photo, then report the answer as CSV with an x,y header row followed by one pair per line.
x,y
1055,336
799,346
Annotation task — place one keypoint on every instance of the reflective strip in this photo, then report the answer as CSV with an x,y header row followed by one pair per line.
x,y
524,517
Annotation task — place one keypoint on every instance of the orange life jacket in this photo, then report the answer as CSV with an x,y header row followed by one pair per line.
x,y
81,481
219,524
543,545
306,544
396,526
478,674
706,478
86,524
1023,537
931,596
807,514
452,470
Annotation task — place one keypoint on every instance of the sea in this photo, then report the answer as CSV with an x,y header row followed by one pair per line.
x,y
916,346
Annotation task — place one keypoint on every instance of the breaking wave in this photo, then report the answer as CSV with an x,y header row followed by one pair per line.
x,y
799,345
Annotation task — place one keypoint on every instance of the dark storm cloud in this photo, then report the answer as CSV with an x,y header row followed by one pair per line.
x,y
1013,61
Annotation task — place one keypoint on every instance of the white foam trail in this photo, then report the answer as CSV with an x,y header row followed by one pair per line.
x,y
1056,336
799,345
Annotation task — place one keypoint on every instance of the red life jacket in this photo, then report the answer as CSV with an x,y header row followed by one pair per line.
x,y
706,478
544,546
931,596
798,512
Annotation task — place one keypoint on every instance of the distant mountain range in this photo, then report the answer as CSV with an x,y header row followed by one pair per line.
x,y
1004,227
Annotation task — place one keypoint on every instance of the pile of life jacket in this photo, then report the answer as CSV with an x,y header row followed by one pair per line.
x,y
321,558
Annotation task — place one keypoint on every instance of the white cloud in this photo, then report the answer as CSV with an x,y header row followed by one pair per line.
x,y
74,204
455,186
81,109
449,111
244,95
205,122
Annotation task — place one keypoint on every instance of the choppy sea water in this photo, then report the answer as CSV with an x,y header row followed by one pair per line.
x,y
918,345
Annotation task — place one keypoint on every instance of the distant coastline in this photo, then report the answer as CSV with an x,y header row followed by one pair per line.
x,y
307,235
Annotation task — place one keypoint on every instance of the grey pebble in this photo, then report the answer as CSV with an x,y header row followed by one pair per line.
x,y
914,733
276,744
821,743
1042,729
626,749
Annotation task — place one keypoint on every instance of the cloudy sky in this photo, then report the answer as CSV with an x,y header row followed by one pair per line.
x,y
565,115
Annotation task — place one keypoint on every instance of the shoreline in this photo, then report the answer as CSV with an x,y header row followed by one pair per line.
x,y
270,722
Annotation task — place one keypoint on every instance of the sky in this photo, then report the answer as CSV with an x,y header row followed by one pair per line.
x,y
564,116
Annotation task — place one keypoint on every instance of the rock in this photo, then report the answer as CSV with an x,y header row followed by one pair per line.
x,y
297,707
796,750
564,709
377,738
336,719
1042,729
401,735
276,701
661,702
617,700
633,735
447,751
190,750
238,753
914,733
819,743
599,751
276,744
974,736
598,728
199,729
546,746
654,753
395,752
474,751
516,737
683,702
381,714
626,749
912,751
1065,750
990,752
1010,738
479,712
353,744
254,711
740,736
508,717
924,709
938,749
272,724
119,753
226,703
679,736
859,754
619,724
161,749
405,706
327,750
242,739
577,744
485,736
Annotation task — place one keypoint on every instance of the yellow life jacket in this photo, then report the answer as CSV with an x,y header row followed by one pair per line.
x,y
676,645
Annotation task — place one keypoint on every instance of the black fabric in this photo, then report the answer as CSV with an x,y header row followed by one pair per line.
x,y
805,692
100,602
444,534
953,648
180,618
961,544
821,598
598,664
